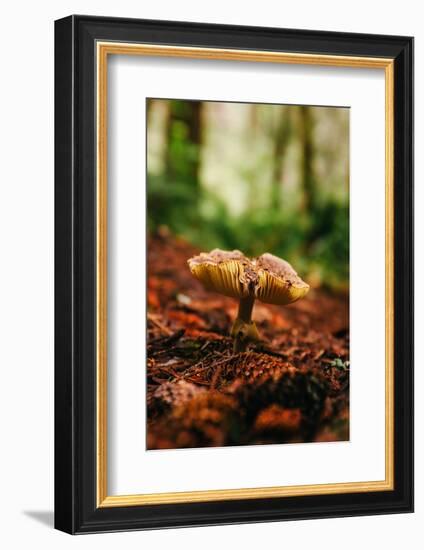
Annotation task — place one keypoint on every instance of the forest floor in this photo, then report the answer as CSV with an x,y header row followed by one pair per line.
x,y
292,387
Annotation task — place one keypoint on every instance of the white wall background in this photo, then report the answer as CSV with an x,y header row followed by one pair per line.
x,y
26,272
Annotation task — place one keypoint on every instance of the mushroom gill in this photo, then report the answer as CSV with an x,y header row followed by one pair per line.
x,y
278,282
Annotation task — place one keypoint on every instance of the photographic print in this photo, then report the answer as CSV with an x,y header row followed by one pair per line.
x,y
248,274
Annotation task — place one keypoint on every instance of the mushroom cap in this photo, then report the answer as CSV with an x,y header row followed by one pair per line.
x,y
228,273
278,282
267,278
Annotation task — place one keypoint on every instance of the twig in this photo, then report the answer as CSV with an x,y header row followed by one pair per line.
x,y
216,376
160,325
166,339
200,382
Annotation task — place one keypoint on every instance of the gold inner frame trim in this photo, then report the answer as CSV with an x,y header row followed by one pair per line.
x,y
103,50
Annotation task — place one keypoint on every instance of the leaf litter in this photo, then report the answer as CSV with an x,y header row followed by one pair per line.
x,y
291,387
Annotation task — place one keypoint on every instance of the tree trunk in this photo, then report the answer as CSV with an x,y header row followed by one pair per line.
x,y
281,140
184,140
306,166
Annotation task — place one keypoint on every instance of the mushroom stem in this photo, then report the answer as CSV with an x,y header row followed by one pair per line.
x,y
245,309
244,329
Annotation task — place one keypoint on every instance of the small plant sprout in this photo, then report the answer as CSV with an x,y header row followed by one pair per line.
x,y
266,278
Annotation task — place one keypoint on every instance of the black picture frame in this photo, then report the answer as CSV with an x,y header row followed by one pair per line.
x,y
76,509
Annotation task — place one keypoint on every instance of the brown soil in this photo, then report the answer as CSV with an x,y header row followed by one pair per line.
x,y
292,387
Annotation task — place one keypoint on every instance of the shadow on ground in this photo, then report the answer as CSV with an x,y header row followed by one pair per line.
x,y
46,517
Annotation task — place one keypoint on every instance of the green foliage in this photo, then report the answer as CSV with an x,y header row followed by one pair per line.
x,y
328,250
341,365
307,223
317,245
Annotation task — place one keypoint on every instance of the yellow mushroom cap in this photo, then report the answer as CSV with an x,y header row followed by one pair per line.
x,y
267,278
278,282
224,272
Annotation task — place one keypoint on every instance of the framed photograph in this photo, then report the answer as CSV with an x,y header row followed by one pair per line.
x,y
234,274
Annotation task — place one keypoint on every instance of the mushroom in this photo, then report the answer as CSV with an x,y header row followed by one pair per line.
x,y
266,278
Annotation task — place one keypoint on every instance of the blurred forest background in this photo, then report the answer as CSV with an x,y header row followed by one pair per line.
x,y
256,177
